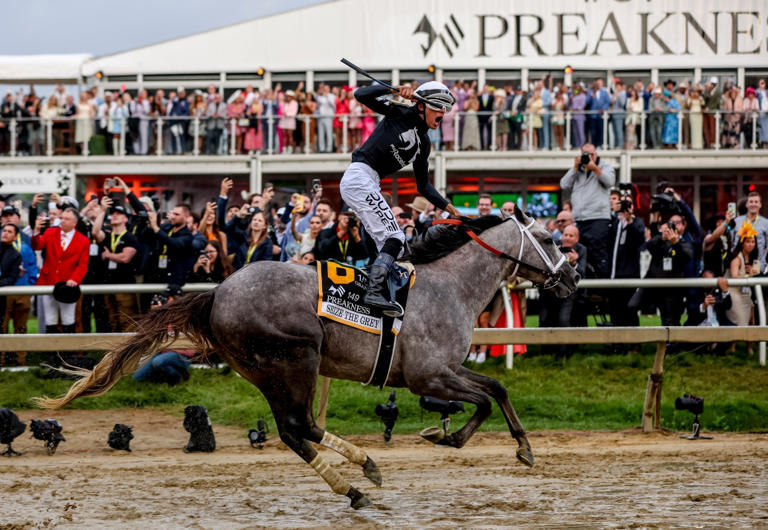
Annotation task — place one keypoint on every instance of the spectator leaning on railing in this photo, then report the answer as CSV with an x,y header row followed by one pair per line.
x,y
10,260
590,181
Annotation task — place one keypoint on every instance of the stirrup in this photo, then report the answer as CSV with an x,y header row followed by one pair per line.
x,y
389,308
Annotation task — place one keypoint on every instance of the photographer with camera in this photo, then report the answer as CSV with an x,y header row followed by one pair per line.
x,y
173,247
627,237
342,242
712,305
590,181
212,266
670,256
557,312
119,248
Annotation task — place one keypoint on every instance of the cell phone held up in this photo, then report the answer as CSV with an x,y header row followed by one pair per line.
x,y
316,185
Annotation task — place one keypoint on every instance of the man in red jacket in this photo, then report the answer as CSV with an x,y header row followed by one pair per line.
x,y
66,260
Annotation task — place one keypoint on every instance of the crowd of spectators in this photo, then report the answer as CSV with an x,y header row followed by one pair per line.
x,y
328,119
602,237
118,238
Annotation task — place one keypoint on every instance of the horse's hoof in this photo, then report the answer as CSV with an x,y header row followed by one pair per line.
x,y
525,455
433,434
371,471
358,500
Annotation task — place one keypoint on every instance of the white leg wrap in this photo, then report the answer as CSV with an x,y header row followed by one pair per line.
x,y
349,451
330,475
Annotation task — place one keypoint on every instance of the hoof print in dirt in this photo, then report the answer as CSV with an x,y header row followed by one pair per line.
x,y
198,425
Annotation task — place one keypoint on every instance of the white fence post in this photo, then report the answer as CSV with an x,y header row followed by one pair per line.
x,y
643,117
567,144
604,117
307,134
270,135
344,133
679,130
753,145
492,139
456,131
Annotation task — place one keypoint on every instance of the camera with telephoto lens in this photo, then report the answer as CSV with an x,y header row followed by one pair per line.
x,y
388,414
351,221
691,403
664,201
625,201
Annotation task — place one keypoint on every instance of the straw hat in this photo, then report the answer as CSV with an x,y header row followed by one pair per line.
x,y
419,204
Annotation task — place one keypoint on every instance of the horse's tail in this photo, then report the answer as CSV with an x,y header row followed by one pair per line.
x,y
189,315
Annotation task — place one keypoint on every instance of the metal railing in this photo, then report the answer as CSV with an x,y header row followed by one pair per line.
x,y
549,129
754,283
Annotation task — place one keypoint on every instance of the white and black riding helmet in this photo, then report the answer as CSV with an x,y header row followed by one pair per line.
x,y
436,95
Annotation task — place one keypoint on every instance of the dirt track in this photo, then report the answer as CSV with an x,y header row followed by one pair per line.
x,y
581,479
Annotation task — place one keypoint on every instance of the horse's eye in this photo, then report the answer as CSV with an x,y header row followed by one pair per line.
x,y
549,241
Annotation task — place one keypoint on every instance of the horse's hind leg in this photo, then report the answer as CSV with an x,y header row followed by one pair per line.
x,y
290,388
499,393
447,385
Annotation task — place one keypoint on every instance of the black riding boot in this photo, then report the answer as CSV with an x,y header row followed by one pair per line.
x,y
378,286
52,329
69,328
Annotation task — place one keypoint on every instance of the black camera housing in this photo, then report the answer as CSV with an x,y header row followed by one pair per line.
x,y
691,403
351,221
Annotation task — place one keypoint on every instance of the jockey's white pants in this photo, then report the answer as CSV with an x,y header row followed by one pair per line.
x,y
361,191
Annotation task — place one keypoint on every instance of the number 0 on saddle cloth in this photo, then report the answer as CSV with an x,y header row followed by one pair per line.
x,y
341,289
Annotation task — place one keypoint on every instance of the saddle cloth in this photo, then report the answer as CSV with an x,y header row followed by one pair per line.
x,y
341,289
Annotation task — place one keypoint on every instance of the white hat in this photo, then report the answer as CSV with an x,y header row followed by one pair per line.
x,y
657,90
713,80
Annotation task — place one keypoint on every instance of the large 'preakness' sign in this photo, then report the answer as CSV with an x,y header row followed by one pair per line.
x,y
469,34
586,33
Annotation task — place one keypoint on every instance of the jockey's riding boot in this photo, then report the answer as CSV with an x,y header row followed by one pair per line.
x,y
378,286
52,329
69,328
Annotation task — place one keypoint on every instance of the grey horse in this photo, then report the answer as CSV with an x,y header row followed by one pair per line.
x,y
282,352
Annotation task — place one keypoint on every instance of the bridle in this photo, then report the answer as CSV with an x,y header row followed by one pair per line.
x,y
553,275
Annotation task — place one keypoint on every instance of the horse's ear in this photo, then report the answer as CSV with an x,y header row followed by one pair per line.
x,y
519,215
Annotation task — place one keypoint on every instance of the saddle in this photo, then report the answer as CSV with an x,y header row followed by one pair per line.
x,y
341,289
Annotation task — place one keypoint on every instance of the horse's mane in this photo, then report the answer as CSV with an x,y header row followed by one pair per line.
x,y
442,239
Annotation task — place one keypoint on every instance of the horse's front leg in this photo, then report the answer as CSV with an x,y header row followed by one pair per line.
x,y
499,393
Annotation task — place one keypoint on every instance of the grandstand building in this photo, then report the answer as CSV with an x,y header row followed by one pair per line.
x,y
493,42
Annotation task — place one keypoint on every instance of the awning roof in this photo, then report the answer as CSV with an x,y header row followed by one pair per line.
x,y
51,68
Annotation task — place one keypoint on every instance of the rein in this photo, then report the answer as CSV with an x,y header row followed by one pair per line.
x,y
552,275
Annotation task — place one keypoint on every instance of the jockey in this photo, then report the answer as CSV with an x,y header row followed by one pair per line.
x,y
398,140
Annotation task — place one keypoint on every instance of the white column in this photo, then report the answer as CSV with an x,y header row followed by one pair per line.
x,y
267,79
643,117
456,136
680,130
352,79
524,79
12,125
310,81
159,146
717,130
123,125
48,137
492,139
255,176
439,74
395,77
740,78
567,141
696,75
232,137
655,76
196,136
480,79
344,133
